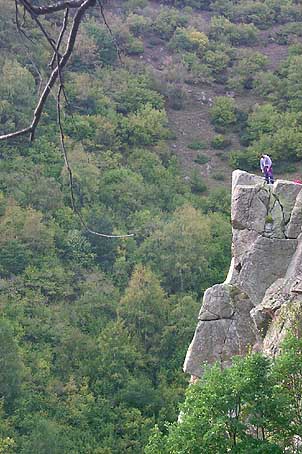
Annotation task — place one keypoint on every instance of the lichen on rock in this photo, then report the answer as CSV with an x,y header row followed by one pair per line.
x,y
261,298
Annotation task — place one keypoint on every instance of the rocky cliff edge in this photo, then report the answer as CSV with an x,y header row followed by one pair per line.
x,y
261,298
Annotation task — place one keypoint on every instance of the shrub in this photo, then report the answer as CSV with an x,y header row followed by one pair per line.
x,y
14,256
267,85
167,21
197,184
222,156
295,49
198,73
217,60
201,159
138,24
220,141
145,127
135,5
106,48
246,68
246,160
288,32
197,145
135,95
176,96
221,29
189,40
135,47
218,176
254,12
223,111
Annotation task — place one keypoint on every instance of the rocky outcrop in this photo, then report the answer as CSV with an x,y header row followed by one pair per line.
x,y
261,298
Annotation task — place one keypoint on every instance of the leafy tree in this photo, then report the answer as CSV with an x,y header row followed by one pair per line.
x,y
230,409
186,251
294,86
144,308
189,40
246,69
11,370
106,48
287,374
167,20
145,127
17,87
223,112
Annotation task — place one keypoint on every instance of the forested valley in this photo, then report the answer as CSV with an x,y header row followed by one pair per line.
x,y
161,101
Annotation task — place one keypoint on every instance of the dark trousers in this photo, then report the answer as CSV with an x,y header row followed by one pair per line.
x,y
268,175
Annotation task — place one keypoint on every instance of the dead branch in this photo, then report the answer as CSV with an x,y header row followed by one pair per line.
x,y
55,7
85,5
109,30
61,35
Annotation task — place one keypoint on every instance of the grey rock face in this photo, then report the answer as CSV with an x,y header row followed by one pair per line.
x,y
262,295
224,329
295,222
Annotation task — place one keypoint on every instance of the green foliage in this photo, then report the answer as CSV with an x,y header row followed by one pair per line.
x,y
222,29
246,159
144,308
176,96
246,68
17,89
190,40
167,21
219,142
198,186
197,145
238,409
137,24
106,48
184,250
201,159
145,127
12,370
136,95
218,176
223,112
217,59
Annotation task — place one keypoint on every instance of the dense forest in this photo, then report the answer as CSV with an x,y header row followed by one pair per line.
x,y
94,330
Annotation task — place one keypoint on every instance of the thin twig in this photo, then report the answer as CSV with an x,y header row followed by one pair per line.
x,y
55,7
18,25
63,29
28,53
110,31
54,75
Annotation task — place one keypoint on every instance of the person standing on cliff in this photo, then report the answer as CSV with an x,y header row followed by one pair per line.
x,y
267,168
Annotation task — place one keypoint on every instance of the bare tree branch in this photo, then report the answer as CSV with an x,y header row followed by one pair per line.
x,y
86,4
55,7
62,32
109,30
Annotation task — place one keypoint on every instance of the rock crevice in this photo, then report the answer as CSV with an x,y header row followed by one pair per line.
x,y
262,295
